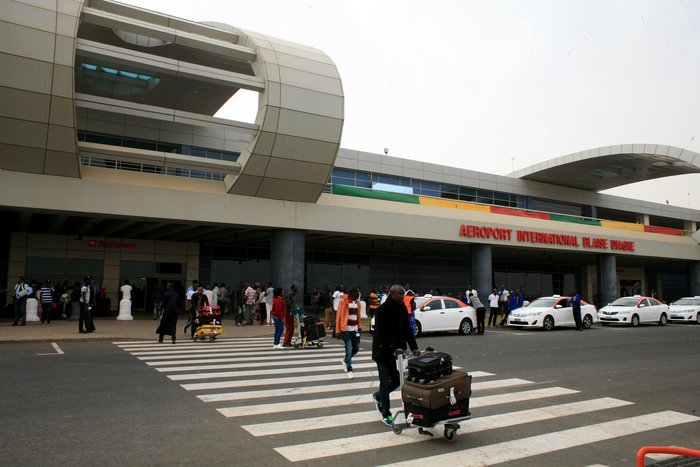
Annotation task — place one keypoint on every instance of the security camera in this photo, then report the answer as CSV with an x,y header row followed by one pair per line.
x,y
386,151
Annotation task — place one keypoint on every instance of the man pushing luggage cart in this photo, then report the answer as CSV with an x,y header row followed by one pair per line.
x,y
392,331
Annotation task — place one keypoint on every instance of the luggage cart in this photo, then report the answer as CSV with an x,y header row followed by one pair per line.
x,y
403,420
305,338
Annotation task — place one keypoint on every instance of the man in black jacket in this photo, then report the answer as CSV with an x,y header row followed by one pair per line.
x,y
392,331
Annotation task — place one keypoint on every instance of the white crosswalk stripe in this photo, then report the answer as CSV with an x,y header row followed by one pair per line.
x,y
246,380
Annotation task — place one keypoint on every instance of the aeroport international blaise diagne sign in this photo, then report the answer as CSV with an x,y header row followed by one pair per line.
x,y
529,236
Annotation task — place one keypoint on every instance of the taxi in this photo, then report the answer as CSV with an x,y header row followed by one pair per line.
x,y
548,312
634,310
437,313
685,310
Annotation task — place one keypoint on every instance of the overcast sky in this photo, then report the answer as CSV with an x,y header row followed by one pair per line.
x,y
496,85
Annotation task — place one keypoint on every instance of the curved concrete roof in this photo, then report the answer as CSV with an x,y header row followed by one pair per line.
x,y
613,166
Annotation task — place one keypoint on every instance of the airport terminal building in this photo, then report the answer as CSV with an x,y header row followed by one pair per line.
x,y
114,166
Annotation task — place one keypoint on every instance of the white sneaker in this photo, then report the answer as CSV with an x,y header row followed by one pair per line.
x,y
350,375
345,368
278,346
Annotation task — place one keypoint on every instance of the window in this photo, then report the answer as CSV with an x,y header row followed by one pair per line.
x,y
434,305
451,304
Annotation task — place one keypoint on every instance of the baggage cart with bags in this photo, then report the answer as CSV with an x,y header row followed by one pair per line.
x,y
430,401
207,324
310,330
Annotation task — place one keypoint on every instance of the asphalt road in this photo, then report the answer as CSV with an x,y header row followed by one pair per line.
x,y
97,403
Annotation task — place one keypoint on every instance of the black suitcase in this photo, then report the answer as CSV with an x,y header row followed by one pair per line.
x,y
428,417
313,330
429,366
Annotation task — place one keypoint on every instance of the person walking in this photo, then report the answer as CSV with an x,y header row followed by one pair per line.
x,y
290,303
503,298
197,301
480,313
493,307
392,331
85,324
278,313
269,298
157,297
46,295
348,327
249,295
575,302
169,315
410,302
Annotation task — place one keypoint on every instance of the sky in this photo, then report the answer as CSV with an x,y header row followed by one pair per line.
x,y
495,85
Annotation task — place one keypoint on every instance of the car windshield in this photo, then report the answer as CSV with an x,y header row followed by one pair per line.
x,y
547,302
687,301
625,301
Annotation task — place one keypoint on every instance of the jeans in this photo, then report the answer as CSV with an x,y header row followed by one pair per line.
x,y
46,312
388,382
352,346
480,315
249,312
279,328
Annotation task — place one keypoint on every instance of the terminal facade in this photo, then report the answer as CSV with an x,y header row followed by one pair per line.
x,y
114,166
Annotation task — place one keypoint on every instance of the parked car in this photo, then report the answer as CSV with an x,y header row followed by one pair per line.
x,y
634,310
686,310
549,312
438,313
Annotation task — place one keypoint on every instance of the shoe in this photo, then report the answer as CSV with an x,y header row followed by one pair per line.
x,y
155,317
278,346
160,341
350,376
14,324
49,324
388,420
287,345
82,332
376,403
23,324
345,368
173,341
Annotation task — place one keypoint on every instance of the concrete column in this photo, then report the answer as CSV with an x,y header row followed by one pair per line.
x,y
607,277
482,275
694,277
287,253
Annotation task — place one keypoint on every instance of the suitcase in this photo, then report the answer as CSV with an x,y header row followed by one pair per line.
x,y
429,366
429,417
314,330
210,311
432,402
437,394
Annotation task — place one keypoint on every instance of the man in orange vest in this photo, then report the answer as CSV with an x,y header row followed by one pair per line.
x,y
410,303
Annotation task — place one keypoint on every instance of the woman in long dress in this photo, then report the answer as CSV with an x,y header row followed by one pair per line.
x,y
171,311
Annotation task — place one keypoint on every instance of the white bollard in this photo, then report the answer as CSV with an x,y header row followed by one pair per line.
x,y
125,310
32,310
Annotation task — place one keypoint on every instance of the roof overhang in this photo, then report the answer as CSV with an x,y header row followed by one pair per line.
x,y
613,166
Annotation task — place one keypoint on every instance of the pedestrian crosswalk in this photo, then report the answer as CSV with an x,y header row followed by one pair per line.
x,y
306,396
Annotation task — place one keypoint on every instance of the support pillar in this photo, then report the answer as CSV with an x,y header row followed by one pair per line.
x,y
694,277
607,277
482,272
287,253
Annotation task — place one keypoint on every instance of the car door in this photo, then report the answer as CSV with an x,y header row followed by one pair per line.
x,y
645,311
562,313
431,315
656,308
453,314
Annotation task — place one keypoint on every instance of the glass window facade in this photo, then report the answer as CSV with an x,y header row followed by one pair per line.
x,y
362,179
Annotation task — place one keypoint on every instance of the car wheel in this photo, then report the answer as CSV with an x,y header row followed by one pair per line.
x,y
587,322
548,323
635,321
663,320
697,318
466,327
419,329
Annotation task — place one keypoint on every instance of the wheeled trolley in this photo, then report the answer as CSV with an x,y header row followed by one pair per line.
x,y
207,324
309,330
443,401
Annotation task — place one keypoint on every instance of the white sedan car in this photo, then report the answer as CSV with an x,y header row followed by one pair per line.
x,y
548,312
685,310
435,313
634,310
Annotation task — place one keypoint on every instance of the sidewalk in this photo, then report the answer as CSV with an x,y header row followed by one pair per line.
x,y
141,328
